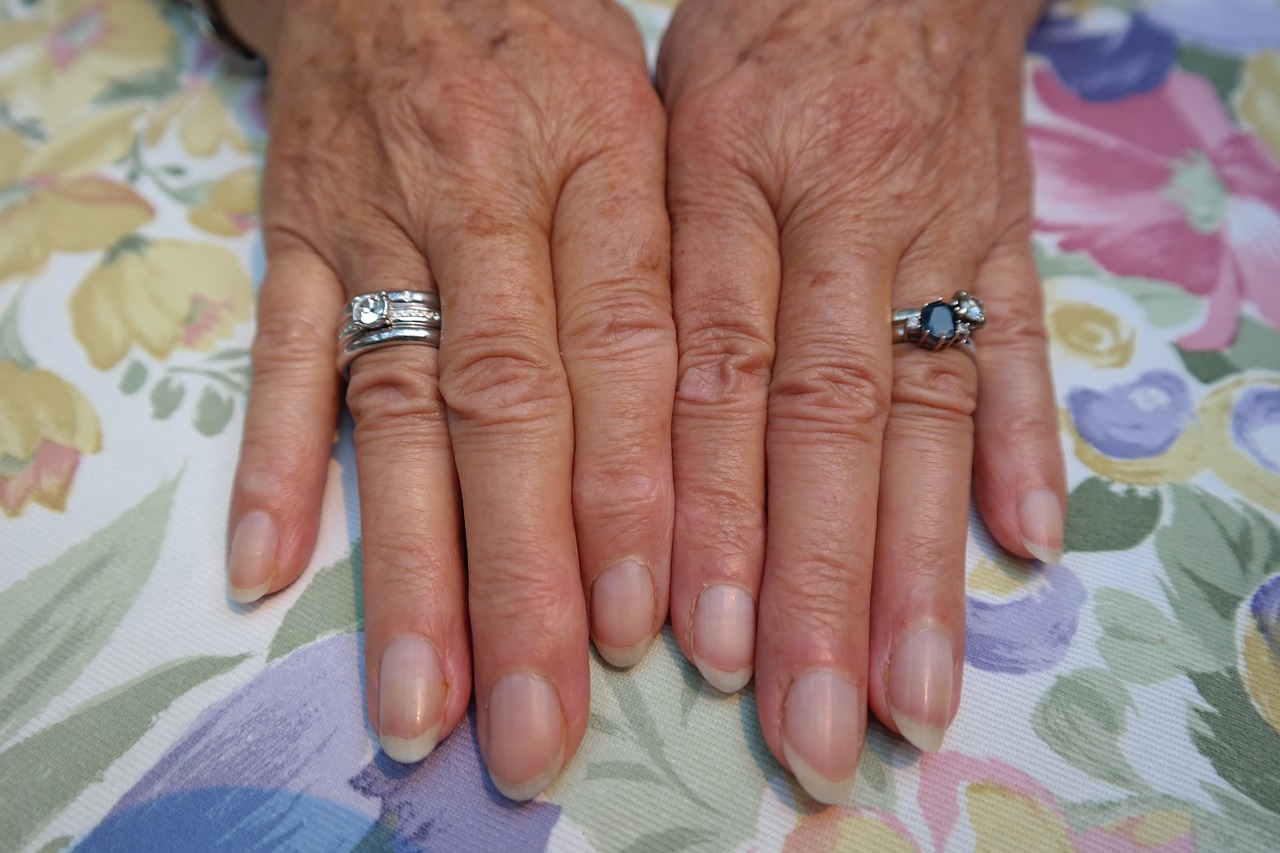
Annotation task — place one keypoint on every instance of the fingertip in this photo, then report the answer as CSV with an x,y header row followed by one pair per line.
x,y
1041,524
623,610
524,745
411,698
724,635
252,557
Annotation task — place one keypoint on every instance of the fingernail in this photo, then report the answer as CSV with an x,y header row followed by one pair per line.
x,y
410,699
822,728
252,560
920,673
622,612
1040,517
724,636
525,736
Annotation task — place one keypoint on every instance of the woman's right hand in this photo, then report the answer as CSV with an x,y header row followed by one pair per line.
x,y
510,155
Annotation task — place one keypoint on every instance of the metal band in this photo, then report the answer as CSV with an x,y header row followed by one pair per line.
x,y
940,325
376,320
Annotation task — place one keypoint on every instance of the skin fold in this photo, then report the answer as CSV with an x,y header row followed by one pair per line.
x,y
665,373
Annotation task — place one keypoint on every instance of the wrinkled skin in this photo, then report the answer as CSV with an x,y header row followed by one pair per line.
x,y
828,160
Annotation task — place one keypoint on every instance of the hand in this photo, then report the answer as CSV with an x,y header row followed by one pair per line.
x,y
512,156
830,161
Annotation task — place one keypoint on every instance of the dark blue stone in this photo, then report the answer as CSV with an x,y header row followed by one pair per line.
x,y
937,323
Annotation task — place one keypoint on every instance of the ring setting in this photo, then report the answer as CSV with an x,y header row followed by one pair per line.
x,y
375,320
940,325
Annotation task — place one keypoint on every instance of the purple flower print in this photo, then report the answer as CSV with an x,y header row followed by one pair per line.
x,y
1029,630
1136,420
286,763
1255,426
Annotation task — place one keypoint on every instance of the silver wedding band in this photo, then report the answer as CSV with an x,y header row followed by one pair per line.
x,y
376,320
940,325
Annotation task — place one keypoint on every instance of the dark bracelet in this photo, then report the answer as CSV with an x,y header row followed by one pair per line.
x,y
212,25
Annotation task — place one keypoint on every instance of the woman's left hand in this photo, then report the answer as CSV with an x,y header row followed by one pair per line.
x,y
829,161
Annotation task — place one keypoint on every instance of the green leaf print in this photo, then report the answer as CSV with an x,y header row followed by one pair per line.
x,y
166,396
39,776
57,619
1164,303
1102,516
1223,70
1083,718
135,376
644,751
333,603
213,412
1237,741
1143,645
1257,347
1214,554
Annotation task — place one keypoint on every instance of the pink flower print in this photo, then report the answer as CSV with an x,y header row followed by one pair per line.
x,y
1162,185
81,32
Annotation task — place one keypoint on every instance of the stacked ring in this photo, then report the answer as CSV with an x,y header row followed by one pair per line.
x,y
939,325
376,320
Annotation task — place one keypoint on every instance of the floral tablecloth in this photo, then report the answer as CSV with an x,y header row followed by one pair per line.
x,y
1127,699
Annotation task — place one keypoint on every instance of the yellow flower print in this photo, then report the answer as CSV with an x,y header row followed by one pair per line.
x,y
46,425
51,202
1260,103
161,295
840,828
232,208
203,120
73,49
1240,419
1093,334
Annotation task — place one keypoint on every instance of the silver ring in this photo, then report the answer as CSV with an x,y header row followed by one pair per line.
x,y
940,325
376,320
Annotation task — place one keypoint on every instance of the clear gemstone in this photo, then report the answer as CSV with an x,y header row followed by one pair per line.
x,y
370,309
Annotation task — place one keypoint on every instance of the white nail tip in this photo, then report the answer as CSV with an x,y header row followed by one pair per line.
x,y
624,657
822,789
923,736
522,792
248,595
725,682
410,750
1048,556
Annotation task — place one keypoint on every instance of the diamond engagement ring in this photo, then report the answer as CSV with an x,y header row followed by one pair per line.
x,y
377,320
939,325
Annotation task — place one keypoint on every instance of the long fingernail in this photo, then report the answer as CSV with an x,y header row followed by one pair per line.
x,y
622,612
724,636
1041,520
252,560
822,729
525,736
920,673
410,699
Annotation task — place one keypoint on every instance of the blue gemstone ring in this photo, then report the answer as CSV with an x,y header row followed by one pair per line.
x,y
940,325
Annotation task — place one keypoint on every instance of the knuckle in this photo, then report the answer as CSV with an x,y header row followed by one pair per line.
x,y
491,378
862,118
386,395
508,593
821,596
944,384
618,492
706,124
846,396
725,363
626,323
288,344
